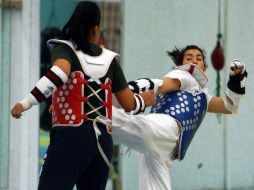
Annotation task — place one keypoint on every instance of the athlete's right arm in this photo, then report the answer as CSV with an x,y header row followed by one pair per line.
x,y
64,65
44,88
169,85
130,101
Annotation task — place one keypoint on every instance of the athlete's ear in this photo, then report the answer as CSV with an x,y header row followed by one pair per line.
x,y
94,34
95,31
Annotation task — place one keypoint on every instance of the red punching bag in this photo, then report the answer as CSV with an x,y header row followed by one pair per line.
x,y
218,57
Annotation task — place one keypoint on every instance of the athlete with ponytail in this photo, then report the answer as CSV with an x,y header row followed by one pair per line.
x,y
82,80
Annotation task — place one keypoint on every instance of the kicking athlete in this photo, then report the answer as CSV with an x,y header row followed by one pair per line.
x,y
182,102
82,80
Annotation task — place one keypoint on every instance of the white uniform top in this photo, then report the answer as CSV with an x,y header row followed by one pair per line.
x,y
155,135
189,83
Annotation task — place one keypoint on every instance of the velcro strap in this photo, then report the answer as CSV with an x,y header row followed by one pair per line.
x,y
140,104
133,86
151,84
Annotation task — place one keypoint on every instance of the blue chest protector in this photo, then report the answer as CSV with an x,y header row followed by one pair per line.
x,y
189,110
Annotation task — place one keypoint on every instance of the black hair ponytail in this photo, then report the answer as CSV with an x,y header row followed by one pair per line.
x,y
85,16
177,55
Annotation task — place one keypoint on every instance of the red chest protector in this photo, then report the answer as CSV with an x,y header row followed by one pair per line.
x,y
68,101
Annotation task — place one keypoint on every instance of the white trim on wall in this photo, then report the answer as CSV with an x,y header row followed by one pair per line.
x,y
5,28
25,37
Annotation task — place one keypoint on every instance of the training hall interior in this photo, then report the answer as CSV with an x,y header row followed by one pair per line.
x,y
220,156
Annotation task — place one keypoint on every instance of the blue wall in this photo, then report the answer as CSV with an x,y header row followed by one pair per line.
x,y
62,10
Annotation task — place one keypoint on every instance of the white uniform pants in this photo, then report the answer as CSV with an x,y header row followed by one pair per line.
x,y
155,137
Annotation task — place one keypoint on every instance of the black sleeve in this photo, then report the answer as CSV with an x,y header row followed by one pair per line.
x,y
117,76
61,52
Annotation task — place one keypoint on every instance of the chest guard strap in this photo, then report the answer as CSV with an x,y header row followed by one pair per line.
x,y
95,67
68,101
189,111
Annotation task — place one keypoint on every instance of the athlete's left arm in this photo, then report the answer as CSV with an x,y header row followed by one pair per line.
x,y
235,91
53,79
216,105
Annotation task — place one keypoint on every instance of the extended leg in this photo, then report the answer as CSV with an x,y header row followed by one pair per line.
x,y
155,134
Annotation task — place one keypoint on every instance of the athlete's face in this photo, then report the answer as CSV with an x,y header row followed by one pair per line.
x,y
194,56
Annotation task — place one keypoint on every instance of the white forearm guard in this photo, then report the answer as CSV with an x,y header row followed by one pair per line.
x,y
236,98
145,84
45,87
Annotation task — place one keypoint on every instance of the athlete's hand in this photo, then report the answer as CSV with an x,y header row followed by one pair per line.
x,y
237,76
149,97
237,67
17,110
50,109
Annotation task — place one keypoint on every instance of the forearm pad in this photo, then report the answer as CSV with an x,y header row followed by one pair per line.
x,y
235,98
45,87
145,84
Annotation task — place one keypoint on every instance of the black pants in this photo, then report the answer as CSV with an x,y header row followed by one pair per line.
x,y
73,158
